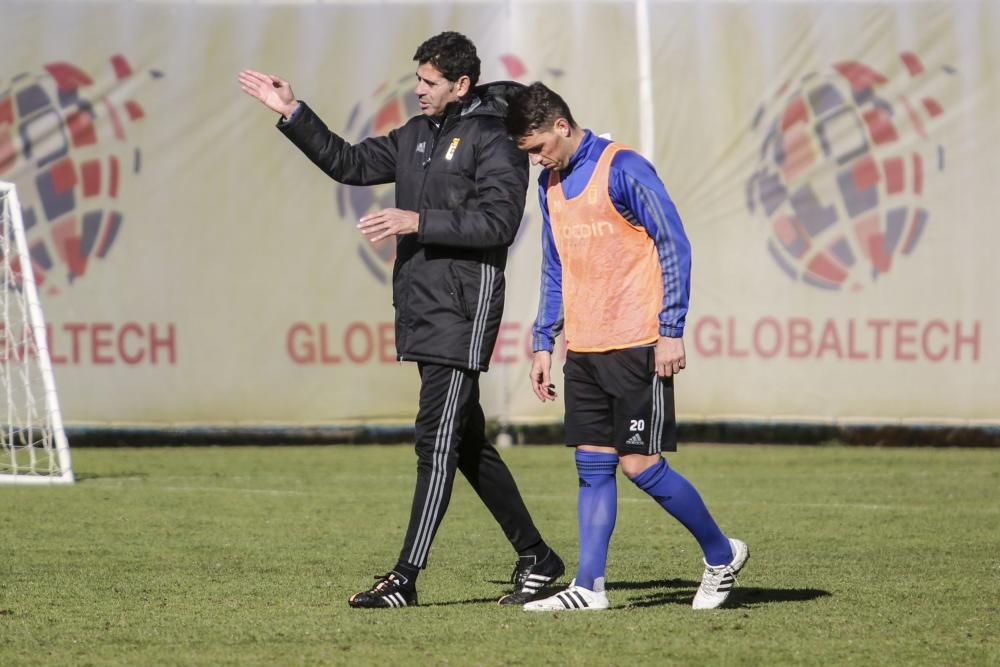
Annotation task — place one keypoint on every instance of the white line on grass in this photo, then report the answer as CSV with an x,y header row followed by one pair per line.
x,y
842,506
217,489
866,506
572,498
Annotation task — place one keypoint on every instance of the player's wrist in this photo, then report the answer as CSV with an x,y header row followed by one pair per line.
x,y
289,111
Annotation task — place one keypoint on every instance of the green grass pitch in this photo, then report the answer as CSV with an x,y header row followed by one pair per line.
x,y
247,555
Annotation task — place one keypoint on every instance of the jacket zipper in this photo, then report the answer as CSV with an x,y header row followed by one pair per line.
x,y
425,165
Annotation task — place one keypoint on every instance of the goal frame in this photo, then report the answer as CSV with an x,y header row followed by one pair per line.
x,y
36,321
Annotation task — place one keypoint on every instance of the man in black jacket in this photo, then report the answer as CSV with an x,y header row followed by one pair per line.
x,y
460,192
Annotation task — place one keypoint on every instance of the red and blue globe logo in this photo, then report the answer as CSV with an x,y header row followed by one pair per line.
x,y
65,141
845,159
389,107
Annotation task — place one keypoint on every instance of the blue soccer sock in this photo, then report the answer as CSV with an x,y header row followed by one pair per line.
x,y
676,495
597,507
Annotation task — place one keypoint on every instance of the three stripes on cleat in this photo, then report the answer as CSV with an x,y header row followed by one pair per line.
x,y
534,583
572,599
395,600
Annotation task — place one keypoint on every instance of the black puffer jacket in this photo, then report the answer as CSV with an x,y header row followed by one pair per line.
x,y
467,180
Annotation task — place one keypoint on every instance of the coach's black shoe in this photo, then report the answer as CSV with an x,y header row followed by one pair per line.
x,y
391,590
530,575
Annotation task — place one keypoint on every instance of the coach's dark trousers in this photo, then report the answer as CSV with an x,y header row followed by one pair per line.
x,y
450,434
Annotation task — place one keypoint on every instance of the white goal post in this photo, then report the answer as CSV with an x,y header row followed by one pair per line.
x,y
33,445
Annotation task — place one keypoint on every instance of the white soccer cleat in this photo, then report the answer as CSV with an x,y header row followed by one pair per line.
x,y
718,581
573,598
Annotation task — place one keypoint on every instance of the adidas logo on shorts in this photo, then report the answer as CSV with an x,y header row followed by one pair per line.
x,y
635,440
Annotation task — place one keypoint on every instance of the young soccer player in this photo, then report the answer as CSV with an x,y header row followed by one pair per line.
x,y
615,270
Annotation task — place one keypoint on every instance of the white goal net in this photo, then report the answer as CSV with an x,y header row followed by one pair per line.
x,y
33,446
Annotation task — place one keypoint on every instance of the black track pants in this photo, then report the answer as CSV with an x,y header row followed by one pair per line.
x,y
450,433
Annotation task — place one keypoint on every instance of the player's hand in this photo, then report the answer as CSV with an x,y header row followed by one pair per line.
x,y
388,222
272,92
669,356
541,383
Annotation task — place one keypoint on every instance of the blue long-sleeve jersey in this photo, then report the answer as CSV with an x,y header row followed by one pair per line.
x,y
641,198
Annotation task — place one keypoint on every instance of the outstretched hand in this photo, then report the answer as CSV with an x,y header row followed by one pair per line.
x,y
273,92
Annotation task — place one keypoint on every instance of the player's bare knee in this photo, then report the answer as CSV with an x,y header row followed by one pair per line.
x,y
633,465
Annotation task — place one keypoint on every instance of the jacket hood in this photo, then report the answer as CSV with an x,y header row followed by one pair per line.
x,y
490,99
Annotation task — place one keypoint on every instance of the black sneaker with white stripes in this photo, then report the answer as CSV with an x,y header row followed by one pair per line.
x,y
530,575
391,590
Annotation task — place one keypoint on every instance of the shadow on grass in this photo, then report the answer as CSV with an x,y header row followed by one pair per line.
x,y
90,477
451,603
656,583
742,597
544,593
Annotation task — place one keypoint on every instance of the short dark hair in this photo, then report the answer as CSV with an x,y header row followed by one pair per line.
x,y
453,54
535,107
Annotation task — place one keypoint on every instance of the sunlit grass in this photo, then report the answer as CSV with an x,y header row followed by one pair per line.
x,y
246,556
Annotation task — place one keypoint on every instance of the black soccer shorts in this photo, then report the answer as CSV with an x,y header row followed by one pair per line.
x,y
615,399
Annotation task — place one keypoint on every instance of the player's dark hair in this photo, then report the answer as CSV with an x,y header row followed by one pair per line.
x,y
536,107
453,54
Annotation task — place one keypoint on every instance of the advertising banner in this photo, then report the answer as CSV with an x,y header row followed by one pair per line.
x,y
833,164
